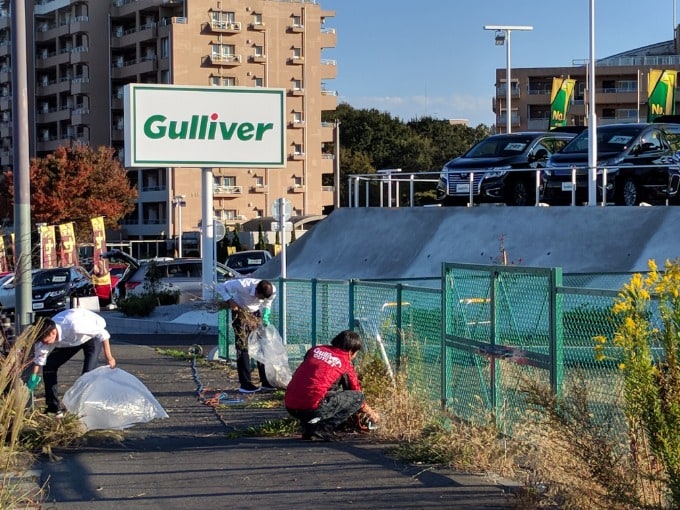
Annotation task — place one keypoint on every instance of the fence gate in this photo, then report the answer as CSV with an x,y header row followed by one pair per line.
x,y
499,328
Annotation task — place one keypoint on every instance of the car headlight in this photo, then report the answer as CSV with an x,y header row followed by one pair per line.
x,y
497,171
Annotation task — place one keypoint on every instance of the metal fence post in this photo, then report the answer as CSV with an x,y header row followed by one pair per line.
x,y
400,289
350,312
314,309
556,347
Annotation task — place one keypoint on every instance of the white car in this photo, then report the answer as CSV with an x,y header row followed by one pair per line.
x,y
7,299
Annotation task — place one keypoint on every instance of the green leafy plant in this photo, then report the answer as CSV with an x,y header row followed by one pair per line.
x,y
138,305
650,311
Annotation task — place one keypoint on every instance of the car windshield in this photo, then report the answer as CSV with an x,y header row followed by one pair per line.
x,y
609,139
51,277
500,146
238,261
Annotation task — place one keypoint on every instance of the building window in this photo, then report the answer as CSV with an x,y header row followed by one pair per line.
x,y
226,214
224,181
297,53
297,182
223,51
223,81
297,84
259,213
297,21
221,19
297,117
258,82
259,181
257,19
259,51
165,47
297,148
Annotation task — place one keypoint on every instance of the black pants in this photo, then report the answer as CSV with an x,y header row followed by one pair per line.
x,y
333,411
57,358
241,332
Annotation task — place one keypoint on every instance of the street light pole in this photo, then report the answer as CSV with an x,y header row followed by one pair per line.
x,y
503,36
178,202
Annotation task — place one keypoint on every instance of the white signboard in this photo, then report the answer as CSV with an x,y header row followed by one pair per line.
x,y
174,125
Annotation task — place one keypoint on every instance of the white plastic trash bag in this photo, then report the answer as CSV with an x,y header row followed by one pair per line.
x,y
265,345
107,398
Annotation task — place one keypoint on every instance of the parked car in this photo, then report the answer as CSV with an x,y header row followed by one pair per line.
x,y
53,289
184,275
640,162
246,262
500,168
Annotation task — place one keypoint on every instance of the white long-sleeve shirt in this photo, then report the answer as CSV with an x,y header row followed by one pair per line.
x,y
242,291
74,327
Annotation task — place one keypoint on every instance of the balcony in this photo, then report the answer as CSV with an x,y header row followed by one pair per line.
x,y
328,69
328,38
297,60
81,85
79,24
297,188
227,190
259,189
297,124
225,60
258,59
296,28
80,116
257,26
5,48
296,92
225,27
296,156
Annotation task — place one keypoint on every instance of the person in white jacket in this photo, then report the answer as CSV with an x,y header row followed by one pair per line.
x,y
58,339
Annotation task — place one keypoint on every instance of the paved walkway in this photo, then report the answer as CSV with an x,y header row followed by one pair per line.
x,y
189,460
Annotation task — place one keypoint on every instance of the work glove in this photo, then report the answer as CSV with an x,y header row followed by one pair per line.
x,y
33,382
265,317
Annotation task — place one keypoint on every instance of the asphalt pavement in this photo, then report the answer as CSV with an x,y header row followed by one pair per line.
x,y
193,459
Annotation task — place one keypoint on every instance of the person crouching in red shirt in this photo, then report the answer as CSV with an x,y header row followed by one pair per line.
x,y
324,391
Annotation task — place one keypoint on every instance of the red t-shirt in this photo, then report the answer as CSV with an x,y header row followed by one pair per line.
x,y
322,367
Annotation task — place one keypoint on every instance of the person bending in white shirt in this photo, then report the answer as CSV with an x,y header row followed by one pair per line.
x,y
247,296
58,339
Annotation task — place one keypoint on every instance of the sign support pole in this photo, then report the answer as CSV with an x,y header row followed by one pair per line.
x,y
208,235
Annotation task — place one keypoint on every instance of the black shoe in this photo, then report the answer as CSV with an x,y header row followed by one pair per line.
x,y
266,387
248,388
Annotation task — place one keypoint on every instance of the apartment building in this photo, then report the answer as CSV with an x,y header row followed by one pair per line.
x,y
620,88
83,52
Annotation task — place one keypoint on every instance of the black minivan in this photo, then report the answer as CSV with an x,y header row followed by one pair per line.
x,y
500,168
635,163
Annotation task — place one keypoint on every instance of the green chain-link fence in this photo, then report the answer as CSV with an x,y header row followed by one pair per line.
x,y
503,324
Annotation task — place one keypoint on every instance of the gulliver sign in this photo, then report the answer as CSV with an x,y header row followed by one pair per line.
x,y
171,125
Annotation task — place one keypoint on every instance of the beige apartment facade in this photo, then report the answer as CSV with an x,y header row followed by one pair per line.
x,y
620,88
82,53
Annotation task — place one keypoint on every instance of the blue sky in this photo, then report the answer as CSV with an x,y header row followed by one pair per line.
x,y
437,59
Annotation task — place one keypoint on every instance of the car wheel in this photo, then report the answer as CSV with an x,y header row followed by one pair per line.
x,y
517,193
627,192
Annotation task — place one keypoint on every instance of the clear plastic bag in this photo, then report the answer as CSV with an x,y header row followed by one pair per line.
x,y
107,398
265,345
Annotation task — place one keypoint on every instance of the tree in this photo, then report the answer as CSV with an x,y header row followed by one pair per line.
x,y
261,244
236,242
74,184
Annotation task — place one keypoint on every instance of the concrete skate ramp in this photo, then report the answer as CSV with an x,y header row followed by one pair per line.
x,y
412,243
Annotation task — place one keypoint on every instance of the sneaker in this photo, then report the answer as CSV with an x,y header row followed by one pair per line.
x,y
266,387
249,389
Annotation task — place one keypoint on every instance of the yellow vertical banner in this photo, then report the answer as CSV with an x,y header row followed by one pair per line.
x,y
48,242
4,264
12,251
100,266
560,97
661,93
67,238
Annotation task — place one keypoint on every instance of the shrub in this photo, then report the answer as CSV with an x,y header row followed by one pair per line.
x,y
139,305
